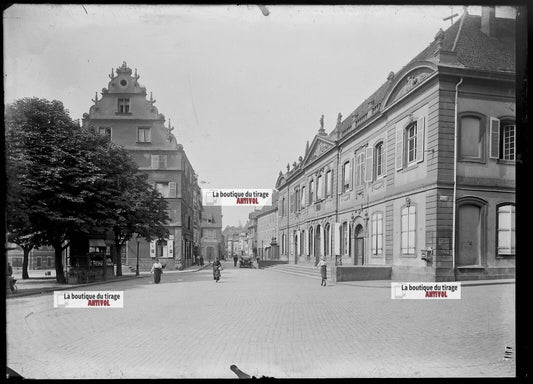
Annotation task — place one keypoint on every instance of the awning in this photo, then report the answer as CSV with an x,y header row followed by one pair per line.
x,y
97,243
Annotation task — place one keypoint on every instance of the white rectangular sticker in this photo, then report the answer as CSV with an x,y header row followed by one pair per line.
x,y
237,197
428,291
88,299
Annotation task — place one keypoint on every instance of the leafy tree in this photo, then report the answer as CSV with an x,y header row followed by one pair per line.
x,y
58,174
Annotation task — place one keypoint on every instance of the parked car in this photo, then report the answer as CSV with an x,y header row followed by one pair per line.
x,y
245,262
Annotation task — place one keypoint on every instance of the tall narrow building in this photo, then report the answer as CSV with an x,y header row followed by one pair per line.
x,y
133,121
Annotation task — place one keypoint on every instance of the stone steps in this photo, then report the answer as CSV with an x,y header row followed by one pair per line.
x,y
300,270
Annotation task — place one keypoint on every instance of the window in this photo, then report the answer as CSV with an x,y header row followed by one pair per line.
x,y
471,140
105,131
346,176
377,233
123,105
283,207
345,238
38,262
411,143
378,160
283,244
311,191
408,229
302,201
506,230
160,246
359,169
508,142
166,189
159,161
327,240
144,135
297,202
319,187
329,183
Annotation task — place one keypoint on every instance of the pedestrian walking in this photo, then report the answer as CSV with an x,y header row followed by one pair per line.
x,y
217,267
201,261
322,264
157,270
235,259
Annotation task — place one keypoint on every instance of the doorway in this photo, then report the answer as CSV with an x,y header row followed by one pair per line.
x,y
359,245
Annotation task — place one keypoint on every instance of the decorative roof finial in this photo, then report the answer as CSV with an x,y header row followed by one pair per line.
x,y
339,119
288,167
112,75
321,130
95,100
307,147
390,76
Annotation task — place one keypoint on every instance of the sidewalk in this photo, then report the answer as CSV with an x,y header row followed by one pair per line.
x,y
39,283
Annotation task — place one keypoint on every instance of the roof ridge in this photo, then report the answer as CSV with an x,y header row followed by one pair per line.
x,y
465,13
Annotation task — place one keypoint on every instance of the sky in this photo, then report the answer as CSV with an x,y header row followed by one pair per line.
x,y
244,91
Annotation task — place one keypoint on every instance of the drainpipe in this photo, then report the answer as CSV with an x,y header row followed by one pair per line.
x,y
455,173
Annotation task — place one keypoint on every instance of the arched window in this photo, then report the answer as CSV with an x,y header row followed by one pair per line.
x,y
329,183
319,187
408,230
311,237
506,230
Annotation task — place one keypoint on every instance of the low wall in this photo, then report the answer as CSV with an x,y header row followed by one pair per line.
x,y
270,263
361,272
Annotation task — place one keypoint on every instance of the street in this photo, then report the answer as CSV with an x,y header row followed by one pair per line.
x,y
268,324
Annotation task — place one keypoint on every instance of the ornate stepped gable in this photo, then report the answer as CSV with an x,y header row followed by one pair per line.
x,y
125,83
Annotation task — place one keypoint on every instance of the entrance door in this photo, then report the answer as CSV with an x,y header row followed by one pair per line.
x,y
210,252
468,235
359,246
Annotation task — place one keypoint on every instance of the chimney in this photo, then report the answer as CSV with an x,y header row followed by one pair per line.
x,y
488,22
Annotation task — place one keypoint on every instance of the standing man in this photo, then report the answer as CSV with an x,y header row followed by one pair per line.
x,y
235,259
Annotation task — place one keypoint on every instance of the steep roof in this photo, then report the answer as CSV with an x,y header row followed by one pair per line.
x,y
474,50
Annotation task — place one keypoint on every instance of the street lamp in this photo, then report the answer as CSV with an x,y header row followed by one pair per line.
x,y
137,268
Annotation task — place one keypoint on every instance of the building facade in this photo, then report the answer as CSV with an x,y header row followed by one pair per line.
x,y
267,231
211,226
419,178
131,120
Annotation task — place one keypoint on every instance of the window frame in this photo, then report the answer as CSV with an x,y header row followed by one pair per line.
x,y
504,123
145,138
376,234
483,121
124,106
346,176
408,140
379,160
512,229
402,231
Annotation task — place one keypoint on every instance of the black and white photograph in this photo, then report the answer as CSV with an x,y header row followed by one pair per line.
x,y
262,191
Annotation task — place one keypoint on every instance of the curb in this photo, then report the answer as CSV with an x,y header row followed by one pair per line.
x,y
38,291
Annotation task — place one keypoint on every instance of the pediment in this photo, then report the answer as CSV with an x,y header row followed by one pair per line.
x,y
319,146
410,80
281,180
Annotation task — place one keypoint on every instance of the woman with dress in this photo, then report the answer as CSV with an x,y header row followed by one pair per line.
x,y
322,264
217,267
157,270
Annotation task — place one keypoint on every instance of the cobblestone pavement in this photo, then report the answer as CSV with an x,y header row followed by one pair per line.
x,y
267,323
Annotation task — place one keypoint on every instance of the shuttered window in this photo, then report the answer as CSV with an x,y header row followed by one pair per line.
x,y
506,230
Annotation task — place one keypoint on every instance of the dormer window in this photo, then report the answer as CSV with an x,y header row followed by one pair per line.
x,y
123,105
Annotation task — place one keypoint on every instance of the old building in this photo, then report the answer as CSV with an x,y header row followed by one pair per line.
x,y
211,229
418,182
267,230
132,120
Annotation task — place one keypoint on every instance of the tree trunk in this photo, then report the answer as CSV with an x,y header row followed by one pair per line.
x,y
118,259
25,262
58,253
